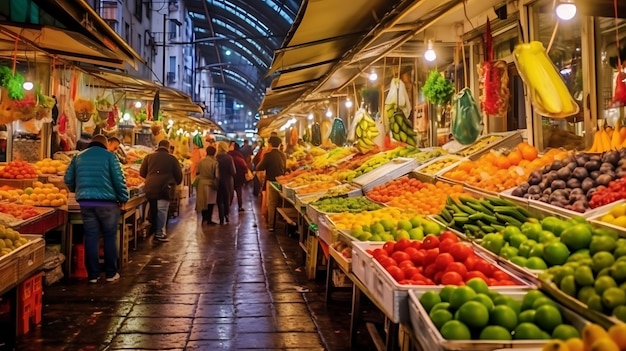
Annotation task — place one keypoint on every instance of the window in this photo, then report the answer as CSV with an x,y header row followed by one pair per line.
x,y
126,32
138,10
139,43
172,65
173,30
148,9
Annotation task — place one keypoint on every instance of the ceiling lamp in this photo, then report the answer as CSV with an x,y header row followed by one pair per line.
x,y
429,54
373,76
311,117
137,104
28,85
566,9
348,103
329,113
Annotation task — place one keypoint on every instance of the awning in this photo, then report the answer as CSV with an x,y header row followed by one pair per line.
x,y
274,98
40,42
319,38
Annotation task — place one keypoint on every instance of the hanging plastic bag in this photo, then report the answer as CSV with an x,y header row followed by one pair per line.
x,y
619,97
466,121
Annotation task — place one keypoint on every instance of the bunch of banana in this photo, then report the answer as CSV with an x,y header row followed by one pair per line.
x,y
401,129
549,94
366,131
607,139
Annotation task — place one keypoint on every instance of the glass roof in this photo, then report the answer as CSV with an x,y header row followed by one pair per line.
x,y
237,39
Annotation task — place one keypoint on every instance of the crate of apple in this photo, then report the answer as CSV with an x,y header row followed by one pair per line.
x,y
18,170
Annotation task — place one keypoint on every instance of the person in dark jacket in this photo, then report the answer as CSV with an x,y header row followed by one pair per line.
x,y
241,168
274,163
163,174
96,176
225,186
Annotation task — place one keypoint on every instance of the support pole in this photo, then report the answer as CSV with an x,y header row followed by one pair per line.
x,y
164,45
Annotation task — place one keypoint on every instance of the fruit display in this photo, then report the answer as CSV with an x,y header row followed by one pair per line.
x,y
343,249
497,171
616,215
348,204
365,133
133,178
18,170
479,145
438,164
607,139
437,260
387,229
412,194
475,312
478,217
136,155
286,178
307,179
315,187
10,240
616,190
331,157
346,220
46,195
401,129
570,183
548,93
21,212
384,157
593,338
50,166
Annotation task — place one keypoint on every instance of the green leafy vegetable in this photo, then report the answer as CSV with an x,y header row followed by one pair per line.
x,y
12,82
437,89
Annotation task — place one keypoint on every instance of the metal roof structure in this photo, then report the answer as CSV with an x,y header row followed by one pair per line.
x,y
237,39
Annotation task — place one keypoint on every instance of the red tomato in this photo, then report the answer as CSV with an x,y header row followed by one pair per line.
x,y
431,256
451,278
410,250
475,274
396,273
410,271
406,263
437,277
405,282
416,244
389,246
500,275
457,267
402,244
379,252
491,282
470,262
430,271
418,276
430,242
443,261
460,251
448,235
418,257
505,283
446,244
387,261
484,266
400,256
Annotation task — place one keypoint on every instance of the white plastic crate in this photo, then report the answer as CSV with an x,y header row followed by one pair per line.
x,y
326,230
362,261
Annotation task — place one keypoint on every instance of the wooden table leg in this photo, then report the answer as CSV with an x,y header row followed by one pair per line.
x,y
329,278
392,336
355,317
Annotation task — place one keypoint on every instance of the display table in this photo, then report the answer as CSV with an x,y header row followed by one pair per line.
x,y
130,221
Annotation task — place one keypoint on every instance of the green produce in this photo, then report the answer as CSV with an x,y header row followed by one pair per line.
x,y
401,128
384,157
316,134
365,133
347,204
415,228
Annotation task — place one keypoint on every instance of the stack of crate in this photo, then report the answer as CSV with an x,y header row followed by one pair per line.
x,y
29,303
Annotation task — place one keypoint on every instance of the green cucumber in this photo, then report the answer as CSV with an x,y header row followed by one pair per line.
x,y
511,211
508,220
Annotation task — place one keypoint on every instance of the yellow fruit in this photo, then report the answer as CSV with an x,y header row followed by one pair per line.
x,y
604,344
617,333
45,202
591,333
618,210
620,221
51,197
555,345
608,218
575,344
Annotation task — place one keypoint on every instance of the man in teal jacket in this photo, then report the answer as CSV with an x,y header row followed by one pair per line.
x,y
96,176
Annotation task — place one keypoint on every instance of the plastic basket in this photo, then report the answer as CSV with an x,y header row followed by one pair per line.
x,y
31,255
432,178
326,230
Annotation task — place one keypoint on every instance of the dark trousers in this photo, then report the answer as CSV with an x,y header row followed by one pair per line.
x,y
223,203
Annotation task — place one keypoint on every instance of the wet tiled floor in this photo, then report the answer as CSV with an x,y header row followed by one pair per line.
x,y
231,287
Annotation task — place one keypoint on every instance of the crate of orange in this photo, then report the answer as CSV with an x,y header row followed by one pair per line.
x,y
499,170
414,195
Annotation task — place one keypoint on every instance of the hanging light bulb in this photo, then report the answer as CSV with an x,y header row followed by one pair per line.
x,y
566,9
329,113
311,117
348,103
170,122
126,116
28,85
137,104
373,76
430,54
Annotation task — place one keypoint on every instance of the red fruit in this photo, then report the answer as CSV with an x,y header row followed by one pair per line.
x,y
460,251
396,273
431,256
437,277
470,262
446,244
379,252
430,271
429,282
430,242
505,283
418,276
389,246
406,263
418,257
457,267
418,282
416,244
402,244
500,275
406,282
491,282
410,250
443,261
400,256
484,266
410,271
475,274
387,261
448,235
451,278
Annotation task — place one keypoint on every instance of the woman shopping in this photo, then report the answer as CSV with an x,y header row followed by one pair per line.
x,y
241,168
207,185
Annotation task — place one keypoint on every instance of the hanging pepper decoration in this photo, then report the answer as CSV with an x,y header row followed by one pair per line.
x,y
619,97
494,80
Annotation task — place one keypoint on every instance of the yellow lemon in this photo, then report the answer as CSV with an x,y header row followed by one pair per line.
x,y
608,218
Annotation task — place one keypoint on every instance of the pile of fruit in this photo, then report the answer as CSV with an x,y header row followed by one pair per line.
x,y
572,182
348,204
306,179
593,338
19,212
50,166
498,171
607,139
616,216
437,260
343,249
315,187
46,195
474,312
478,217
286,178
414,195
345,220
479,145
438,165
384,157
413,228
365,132
331,157
18,170
10,240
606,195
132,178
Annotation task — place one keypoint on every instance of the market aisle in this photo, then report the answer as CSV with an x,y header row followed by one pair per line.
x,y
226,287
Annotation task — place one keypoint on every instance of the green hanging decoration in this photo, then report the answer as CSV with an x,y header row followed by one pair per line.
x,y
12,82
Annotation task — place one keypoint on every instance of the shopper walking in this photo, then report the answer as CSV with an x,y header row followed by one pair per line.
x,y
207,185
274,164
241,169
246,152
163,174
226,173
197,154
95,176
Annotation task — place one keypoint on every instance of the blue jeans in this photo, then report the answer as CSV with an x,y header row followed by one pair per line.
x,y
158,215
100,220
